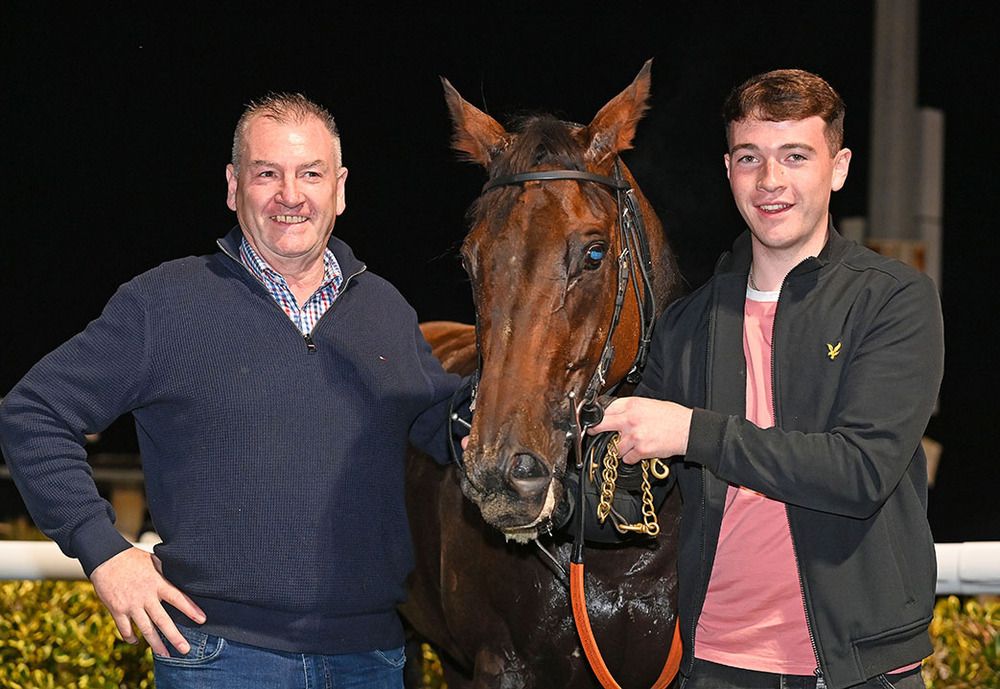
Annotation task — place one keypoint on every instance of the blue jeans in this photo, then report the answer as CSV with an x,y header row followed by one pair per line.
x,y
216,663
707,675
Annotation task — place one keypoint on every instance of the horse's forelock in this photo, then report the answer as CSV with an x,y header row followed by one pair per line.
x,y
541,140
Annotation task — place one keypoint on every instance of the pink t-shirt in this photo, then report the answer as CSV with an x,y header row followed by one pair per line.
x,y
754,616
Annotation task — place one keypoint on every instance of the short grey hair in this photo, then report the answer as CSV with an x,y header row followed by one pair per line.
x,y
283,108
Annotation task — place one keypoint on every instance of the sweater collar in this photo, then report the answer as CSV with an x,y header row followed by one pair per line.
x,y
349,264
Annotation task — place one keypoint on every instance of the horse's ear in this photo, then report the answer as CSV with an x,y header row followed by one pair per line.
x,y
614,126
477,136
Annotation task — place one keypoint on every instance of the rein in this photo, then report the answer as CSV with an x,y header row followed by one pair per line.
x,y
635,267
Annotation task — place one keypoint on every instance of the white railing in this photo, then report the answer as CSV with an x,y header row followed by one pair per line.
x,y
963,568
43,560
967,568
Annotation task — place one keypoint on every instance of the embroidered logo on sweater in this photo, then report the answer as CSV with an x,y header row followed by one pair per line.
x,y
832,351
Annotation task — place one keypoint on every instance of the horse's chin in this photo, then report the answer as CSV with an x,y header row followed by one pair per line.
x,y
508,516
543,522
523,536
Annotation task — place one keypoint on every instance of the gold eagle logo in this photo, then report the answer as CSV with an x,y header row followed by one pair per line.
x,y
832,351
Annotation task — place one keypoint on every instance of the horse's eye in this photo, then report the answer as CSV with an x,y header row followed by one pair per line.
x,y
593,255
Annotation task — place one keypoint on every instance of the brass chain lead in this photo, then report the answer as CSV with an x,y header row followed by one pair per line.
x,y
659,468
648,510
609,479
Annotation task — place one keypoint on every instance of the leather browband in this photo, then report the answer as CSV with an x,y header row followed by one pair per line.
x,y
581,175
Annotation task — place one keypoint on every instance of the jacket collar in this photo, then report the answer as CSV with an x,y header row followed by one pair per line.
x,y
726,328
738,259
349,264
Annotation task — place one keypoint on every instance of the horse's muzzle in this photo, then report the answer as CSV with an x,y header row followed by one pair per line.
x,y
512,493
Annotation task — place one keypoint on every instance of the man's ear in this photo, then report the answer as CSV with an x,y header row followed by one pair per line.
x,y
231,184
841,165
341,190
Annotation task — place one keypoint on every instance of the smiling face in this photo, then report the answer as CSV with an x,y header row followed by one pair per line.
x,y
288,191
781,175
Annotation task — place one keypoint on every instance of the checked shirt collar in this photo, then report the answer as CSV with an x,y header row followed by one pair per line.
x,y
308,314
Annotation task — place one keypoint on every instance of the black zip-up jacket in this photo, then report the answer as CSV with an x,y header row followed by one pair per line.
x,y
857,362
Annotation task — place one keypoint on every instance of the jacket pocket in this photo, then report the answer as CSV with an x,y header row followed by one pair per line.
x,y
894,647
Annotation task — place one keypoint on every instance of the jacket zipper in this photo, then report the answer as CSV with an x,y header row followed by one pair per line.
x,y
820,681
701,565
704,500
307,338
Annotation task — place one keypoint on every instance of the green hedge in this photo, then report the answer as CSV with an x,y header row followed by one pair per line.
x,y
56,634
966,645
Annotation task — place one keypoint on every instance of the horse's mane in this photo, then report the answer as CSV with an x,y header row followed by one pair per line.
x,y
540,140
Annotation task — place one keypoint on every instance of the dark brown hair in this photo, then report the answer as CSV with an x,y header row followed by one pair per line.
x,y
787,94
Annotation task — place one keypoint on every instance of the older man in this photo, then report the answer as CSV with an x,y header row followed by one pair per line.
x,y
275,385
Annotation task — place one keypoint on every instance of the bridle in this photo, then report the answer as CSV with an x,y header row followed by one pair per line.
x,y
634,266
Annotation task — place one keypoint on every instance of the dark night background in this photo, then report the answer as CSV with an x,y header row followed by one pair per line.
x,y
118,118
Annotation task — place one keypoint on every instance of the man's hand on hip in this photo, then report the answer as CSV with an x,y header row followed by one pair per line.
x,y
131,585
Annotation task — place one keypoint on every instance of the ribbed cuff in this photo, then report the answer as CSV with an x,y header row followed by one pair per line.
x,y
96,542
705,438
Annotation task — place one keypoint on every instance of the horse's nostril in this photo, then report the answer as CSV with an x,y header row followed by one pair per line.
x,y
526,467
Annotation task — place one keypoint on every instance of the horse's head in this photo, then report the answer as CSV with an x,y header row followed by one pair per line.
x,y
543,257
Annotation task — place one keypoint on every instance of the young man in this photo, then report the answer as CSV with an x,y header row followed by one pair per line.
x,y
796,386
274,385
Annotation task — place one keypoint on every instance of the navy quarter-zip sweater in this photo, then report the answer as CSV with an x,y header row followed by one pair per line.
x,y
274,470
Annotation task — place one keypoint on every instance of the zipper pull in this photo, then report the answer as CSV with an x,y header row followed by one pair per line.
x,y
310,344
820,682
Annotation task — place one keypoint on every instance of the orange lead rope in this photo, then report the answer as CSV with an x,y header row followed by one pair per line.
x,y
578,598
577,593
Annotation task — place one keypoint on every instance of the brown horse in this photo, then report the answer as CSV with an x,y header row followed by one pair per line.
x,y
543,260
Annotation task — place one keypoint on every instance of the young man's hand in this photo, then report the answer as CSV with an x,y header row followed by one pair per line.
x,y
646,428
